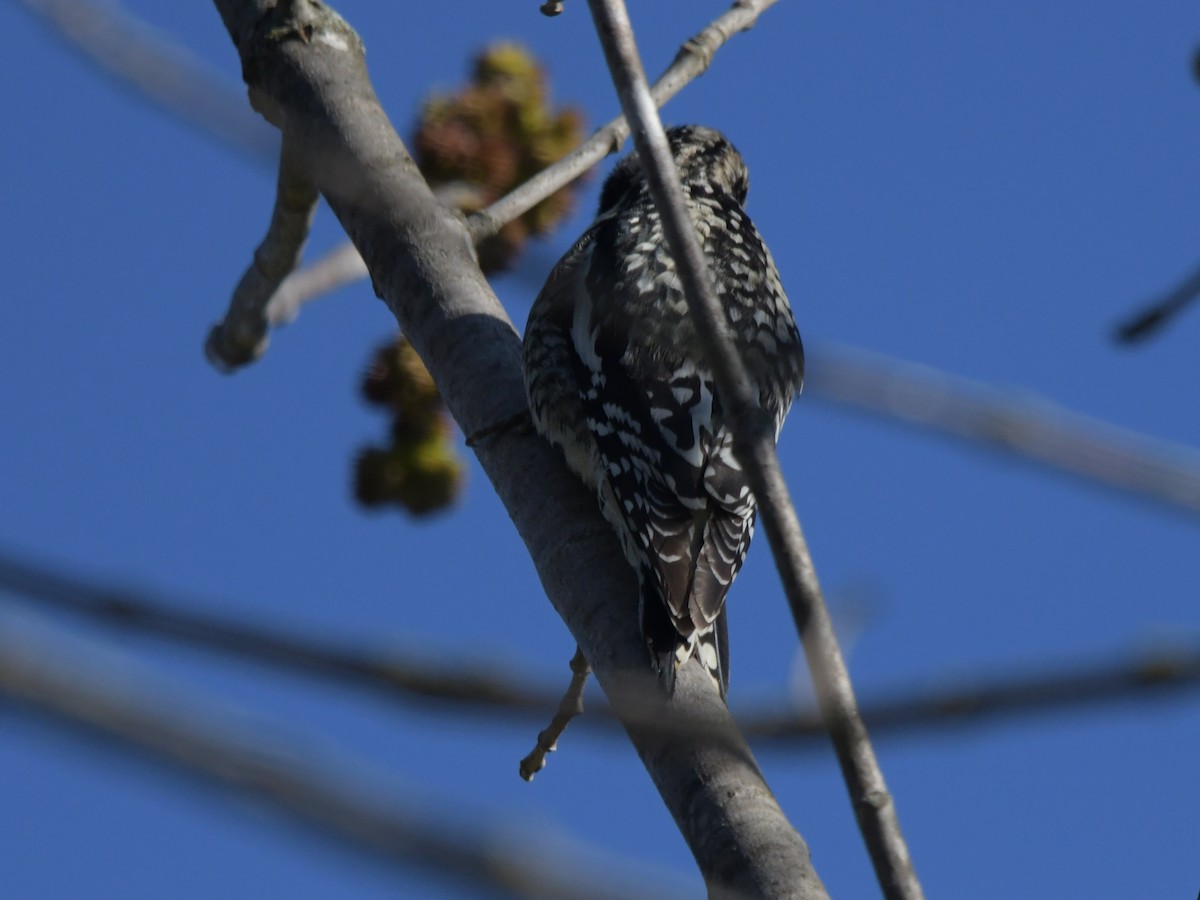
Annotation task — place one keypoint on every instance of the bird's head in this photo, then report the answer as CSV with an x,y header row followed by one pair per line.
x,y
705,159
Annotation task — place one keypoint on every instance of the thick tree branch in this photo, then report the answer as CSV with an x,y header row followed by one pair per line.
x,y
194,742
754,444
305,69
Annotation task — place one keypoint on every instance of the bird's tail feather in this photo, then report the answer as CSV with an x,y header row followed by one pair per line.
x,y
669,649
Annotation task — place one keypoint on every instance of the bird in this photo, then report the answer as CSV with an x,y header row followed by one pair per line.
x,y
616,375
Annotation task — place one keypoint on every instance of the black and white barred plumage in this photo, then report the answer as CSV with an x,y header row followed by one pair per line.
x,y
616,375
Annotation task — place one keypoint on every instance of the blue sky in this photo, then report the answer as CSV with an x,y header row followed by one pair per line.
x,y
985,188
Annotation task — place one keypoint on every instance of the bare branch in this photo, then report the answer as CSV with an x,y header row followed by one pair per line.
x,y
963,699
1018,422
305,66
569,708
966,700
754,444
339,267
242,336
160,70
167,74
389,672
691,61
197,743
1160,312
342,265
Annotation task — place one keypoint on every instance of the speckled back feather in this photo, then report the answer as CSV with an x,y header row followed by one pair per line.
x,y
616,375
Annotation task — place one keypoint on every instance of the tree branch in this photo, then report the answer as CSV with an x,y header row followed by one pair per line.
x,y
1160,312
241,337
754,444
338,267
305,67
191,741
966,700
570,707
343,266
692,61
157,69
1018,422
166,74
397,676
963,699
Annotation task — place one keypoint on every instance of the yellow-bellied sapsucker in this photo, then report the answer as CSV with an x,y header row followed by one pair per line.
x,y
616,374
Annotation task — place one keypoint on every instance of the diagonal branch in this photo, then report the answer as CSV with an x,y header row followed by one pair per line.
x,y
305,66
391,673
1160,312
963,699
570,707
241,337
196,742
1029,426
160,71
692,61
754,444
343,266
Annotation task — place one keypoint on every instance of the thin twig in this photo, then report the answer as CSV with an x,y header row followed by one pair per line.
x,y
1018,422
160,70
196,742
342,265
690,62
754,443
1159,313
391,673
569,707
337,268
242,336
965,700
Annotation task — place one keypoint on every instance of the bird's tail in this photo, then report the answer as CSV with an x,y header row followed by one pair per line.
x,y
670,647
